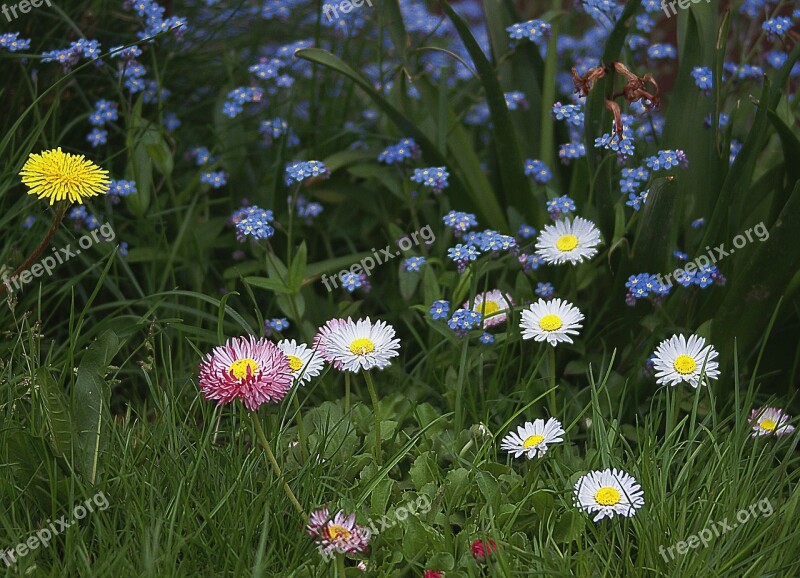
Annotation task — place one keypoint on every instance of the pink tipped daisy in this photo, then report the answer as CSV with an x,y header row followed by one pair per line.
x,y
339,534
768,421
322,340
493,305
253,370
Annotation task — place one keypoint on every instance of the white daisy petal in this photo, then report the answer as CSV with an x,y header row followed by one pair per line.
x,y
494,306
767,421
304,361
568,241
532,438
608,493
361,345
677,360
552,321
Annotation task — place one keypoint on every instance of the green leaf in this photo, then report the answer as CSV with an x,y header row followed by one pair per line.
x,y
59,421
424,470
298,268
757,288
457,482
651,250
139,134
160,154
90,404
442,561
429,150
334,265
490,488
569,527
791,148
509,157
270,284
416,540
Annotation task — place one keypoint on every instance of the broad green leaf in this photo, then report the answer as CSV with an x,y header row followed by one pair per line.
x,y
569,527
298,268
59,421
509,157
791,148
274,285
429,150
463,155
760,284
90,404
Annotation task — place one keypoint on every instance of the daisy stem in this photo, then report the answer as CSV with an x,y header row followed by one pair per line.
x,y
301,432
553,408
60,212
347,392
340,565
271,457
377,410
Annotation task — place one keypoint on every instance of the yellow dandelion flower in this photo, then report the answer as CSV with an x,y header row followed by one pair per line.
x,y
57,176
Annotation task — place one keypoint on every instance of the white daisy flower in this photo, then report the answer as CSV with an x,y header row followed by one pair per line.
x,y
493,305
357,345
532,438
768,421
304,362
551,321
677,360
608,493
566,240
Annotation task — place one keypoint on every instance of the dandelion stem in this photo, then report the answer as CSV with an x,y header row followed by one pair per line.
x,y
377,410
271,457
60,212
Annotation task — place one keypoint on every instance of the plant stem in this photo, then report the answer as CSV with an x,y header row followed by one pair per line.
x,y
301,432
553,408
271,457
347,392
377,411
60,212
341,571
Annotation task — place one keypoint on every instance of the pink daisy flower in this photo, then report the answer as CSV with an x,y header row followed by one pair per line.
x,y
339,534
321,341
770,421
253,370
493,305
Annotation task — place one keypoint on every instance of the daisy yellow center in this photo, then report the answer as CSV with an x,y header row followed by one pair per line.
x,y
58,176
607,496
567,242
295,363
550,323
362,346
768,424
684,364
487,307
240,367
532,441
337,532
